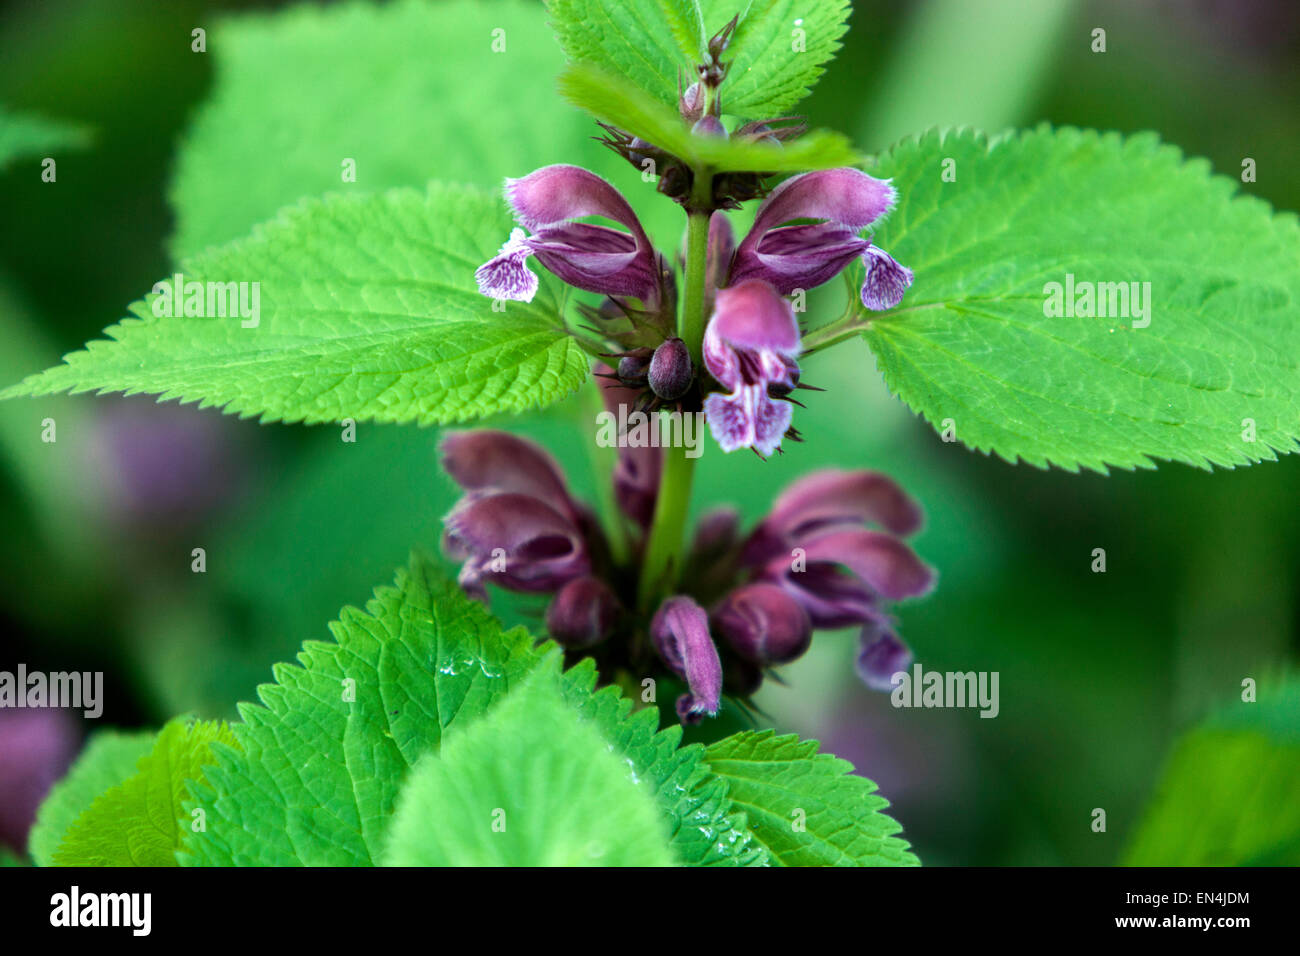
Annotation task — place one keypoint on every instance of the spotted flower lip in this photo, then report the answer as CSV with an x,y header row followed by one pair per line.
x,y
591,257
791,257
680,631
751,344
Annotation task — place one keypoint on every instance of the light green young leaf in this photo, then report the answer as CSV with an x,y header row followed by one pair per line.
x,y
1229,794
457,90
654,44
139,821
531,784
777,52
109,759
1206,371
805,807
324,757
367,309
601,93
27,134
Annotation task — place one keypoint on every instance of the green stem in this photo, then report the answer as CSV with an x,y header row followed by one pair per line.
x,y
660,565
691,323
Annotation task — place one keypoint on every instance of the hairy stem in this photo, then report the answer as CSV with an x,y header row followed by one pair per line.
x,y
661,563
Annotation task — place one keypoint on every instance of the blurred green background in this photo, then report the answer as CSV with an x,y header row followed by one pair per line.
x,y
1100,673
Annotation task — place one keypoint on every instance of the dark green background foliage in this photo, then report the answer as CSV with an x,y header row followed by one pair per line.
x,y
1102,675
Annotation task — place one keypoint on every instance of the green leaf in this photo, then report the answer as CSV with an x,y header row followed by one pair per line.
x,y
321,762
531,784
410,90
368,310
706,830
652,43
1218,363
139,822
1230,791
606,97
805,807
777,52
27,134
109,759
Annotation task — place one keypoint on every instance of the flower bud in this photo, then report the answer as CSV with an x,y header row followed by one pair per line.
x,y
763,624
709,126
583,613
691,103
634,366
680,631
671,371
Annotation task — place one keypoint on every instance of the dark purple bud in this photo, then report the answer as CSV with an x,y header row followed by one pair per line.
x,y
671,371
634,367
716,533
484,460
882,655
763,624
680,631
709,126
691,103
583,613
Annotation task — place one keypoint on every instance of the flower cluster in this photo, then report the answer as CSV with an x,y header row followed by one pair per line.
x,y
752,341
829,555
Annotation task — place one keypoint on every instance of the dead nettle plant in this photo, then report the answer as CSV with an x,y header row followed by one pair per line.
x,y
1054,296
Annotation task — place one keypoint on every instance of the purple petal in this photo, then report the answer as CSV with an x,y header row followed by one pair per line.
x,y
799,257
764,624
680,631
844,195
885,280
488,460
598,259
556,194
516,541
832,597
722,246
505,276
882,656
830,497
752,315
884,563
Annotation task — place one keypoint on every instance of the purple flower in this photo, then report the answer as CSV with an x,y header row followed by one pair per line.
x,y
816,544
517,525
763,624
583,613
595,258
636,474
882,655
680,631
750,347
794,257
